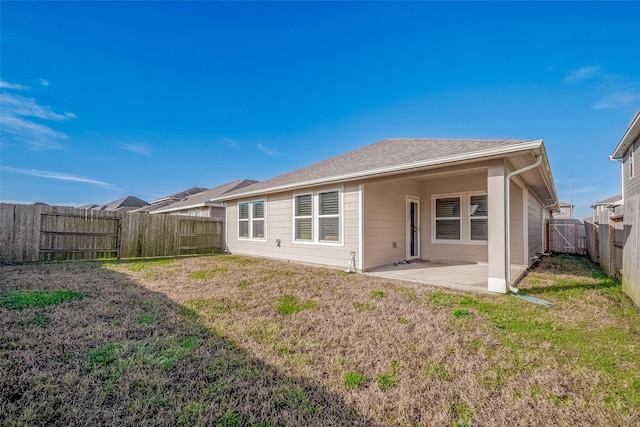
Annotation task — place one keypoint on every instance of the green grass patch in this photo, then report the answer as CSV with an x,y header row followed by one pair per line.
x,y
389,378
143,265
459,312
36,299
353,379
231,419
377,294
363,306
288,304
207,274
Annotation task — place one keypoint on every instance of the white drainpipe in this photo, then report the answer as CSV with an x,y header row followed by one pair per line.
x,y
507,217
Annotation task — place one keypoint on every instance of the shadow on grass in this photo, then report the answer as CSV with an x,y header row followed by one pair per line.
x,y
609,283
129,356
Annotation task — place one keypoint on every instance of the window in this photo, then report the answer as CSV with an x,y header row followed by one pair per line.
x,y
448,218
304,218
195,212
478,216
243,220
631,166
316,217
329,217
251,220
460,218
257,220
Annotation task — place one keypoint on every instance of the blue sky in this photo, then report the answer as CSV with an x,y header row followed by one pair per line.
x,y
106,99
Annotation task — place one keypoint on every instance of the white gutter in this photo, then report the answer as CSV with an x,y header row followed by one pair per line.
x,y
474,156
507,219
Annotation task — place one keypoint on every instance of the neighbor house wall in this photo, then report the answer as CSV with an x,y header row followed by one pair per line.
x,y
458,251
202,211
631,224
279,226
385,220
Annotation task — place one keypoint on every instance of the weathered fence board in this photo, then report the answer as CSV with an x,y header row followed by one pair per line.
x,y
568,236
37,233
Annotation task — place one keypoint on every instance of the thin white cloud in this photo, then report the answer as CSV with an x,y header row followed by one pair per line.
x,y
619,100
229,142
17,121
56,175
7,85
137,148
44,82
272,152
582,74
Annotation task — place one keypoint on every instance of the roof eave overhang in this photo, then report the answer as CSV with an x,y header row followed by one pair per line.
x,y
536,147
629,137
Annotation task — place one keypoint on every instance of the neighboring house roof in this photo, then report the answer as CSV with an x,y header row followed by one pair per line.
x,y
392,156
629,137
167,200
564,205
124,204
204,198
615,200
89,206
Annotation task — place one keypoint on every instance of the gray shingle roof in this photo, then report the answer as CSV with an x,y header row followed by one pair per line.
x,y
389,154
608,201
126,203
205,196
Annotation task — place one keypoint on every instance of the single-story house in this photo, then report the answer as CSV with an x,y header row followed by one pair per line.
x,y
200,204
627,151
124,204
167,200
403,199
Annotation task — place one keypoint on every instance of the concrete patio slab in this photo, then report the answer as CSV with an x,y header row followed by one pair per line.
x,y
449,274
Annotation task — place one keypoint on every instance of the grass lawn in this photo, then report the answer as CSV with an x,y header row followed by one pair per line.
x,y
236,341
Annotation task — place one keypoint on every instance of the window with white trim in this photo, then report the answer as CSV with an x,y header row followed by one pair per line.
x,y
257,220
447,218
479,217
251,220
329,217
303,218
460,218
243,220
317,217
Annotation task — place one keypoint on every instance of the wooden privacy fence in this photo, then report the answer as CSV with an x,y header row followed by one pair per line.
x,y
40,233
568,236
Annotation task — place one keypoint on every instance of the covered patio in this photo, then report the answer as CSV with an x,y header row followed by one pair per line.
x,y
463,276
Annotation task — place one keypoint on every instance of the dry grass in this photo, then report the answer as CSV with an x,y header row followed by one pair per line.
x,y
229,340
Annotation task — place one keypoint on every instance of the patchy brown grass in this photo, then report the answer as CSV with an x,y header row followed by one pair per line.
x,y
230,340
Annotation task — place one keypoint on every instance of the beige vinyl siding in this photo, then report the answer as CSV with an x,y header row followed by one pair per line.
x,y
517,225
535,225
385,220
459,251
631,186
279,225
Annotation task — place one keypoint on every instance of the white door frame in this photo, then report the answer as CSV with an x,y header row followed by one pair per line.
x,y
413,230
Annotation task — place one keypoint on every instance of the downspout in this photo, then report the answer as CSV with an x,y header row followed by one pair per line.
x,y
507,218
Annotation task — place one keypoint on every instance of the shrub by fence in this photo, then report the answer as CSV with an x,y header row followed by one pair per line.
x,y
39,233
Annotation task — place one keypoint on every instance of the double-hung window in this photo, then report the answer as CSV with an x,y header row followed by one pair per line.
x,y
447,218
257,220
317,217
303,217
462,217
251,220
478,217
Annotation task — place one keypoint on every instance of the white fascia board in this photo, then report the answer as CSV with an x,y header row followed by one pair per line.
x,y
629,137
389,170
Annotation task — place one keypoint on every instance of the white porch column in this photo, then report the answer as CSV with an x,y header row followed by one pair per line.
x,y
497,281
